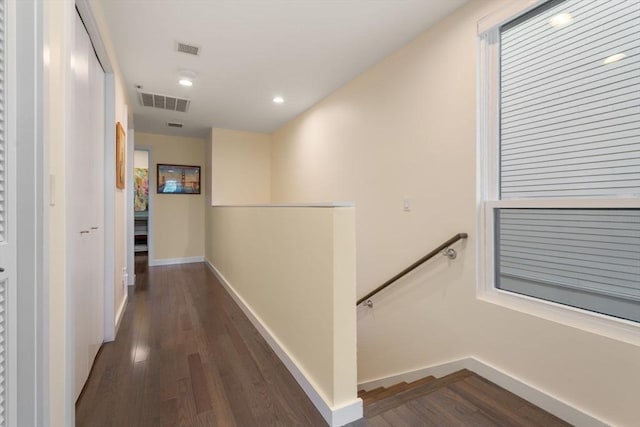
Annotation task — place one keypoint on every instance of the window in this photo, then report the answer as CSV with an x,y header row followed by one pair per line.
x,y
560,156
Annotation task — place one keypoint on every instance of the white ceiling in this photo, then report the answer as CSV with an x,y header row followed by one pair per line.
x,y
253,50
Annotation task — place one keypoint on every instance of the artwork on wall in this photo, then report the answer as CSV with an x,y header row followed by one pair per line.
x,y
120,156
141,194
178,179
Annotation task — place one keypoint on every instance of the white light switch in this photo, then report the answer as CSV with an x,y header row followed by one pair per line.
x,y
406,204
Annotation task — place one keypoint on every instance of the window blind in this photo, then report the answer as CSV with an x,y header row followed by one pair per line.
x,y
586,258
569,111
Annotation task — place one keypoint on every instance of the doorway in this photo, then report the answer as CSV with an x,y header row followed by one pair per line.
x,y
141,214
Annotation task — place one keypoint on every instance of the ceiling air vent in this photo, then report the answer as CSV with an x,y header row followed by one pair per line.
x,y
164,102
174,125
187,48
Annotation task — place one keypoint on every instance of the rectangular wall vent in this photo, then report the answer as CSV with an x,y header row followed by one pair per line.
x,y
187,48
174,125
164,102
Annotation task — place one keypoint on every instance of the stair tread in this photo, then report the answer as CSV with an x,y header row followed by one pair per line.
x,y
380,393
422,381
385,392
362,393
424,387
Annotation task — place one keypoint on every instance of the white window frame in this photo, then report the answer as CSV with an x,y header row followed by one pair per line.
x,y
488,197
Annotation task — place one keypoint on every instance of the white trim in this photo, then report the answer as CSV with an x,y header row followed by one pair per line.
x,y
27,36
66,105
548,402
86,11
172,261
506,14
47,200
109,208
600,324
150,209
334,416
488,198
346,413
88,18
129,215
121,310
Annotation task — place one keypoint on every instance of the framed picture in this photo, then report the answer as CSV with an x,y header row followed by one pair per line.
x,y
120,159
178,179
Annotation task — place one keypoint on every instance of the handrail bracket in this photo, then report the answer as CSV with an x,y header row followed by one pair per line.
x,y
450,253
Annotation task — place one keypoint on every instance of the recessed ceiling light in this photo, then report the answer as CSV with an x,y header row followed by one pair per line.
x,y
614,58
186,77
560,20
278,100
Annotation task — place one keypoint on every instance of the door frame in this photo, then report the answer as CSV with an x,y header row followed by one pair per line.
x,y
131,228
85,10
30,87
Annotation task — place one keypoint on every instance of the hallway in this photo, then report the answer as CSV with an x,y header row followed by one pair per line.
x,y
186,355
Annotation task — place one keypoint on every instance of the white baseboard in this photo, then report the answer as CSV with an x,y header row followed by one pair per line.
x,y
344,414
549,403
334,416
172,261
120,313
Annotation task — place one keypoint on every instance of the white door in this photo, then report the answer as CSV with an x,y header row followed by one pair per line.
x,y
8,241
85,205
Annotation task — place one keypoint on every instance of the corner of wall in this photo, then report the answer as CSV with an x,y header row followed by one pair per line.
x,y
344,305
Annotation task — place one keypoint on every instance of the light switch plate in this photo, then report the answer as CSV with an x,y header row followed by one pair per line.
x,y
406,204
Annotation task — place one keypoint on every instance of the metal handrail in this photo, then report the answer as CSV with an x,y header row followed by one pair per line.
x,y
443,248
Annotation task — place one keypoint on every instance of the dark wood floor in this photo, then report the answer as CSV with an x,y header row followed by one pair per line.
x,y
460,399
186,355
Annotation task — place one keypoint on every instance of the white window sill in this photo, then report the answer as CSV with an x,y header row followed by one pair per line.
x,y
607,326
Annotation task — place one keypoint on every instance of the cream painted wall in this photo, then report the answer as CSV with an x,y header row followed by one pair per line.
x,y
407,128
307,305
178,220
141,159
241,167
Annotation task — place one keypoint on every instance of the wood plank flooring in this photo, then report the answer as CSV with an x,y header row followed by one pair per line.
x,y
186,355
460,399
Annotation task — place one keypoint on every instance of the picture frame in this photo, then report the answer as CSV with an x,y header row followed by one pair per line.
x,y
177,179
120,157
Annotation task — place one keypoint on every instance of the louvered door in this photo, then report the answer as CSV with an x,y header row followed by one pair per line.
x,y
7,236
